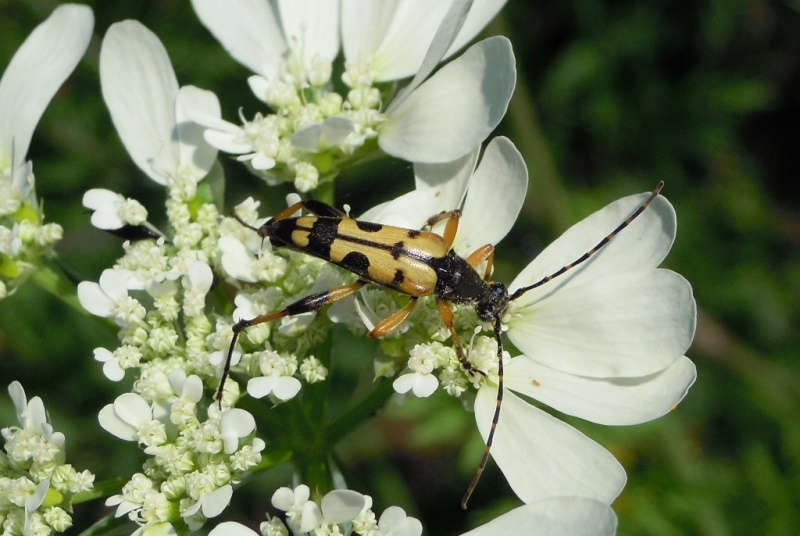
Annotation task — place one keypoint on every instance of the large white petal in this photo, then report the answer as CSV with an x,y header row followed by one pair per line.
x,y
632,324
542,456
365,25
455,110
311,27
140,87
36,72
642,244
554,516
195,153
248,29
481,12
396,35
617,401
495,197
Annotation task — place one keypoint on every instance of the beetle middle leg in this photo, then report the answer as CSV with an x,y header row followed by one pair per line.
x,y
391,322
477,257
305,305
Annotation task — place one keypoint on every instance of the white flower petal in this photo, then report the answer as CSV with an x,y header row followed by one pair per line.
x,y
395,522
404,383
642,244
310,517
200,276
99,198
229,528
114,283
94,300
342,505
286,388
311,27
396,38
261,386
452,112
617,401
214,503
195,152
113,371
495,197
235,424
111,422
41,64
17,394
542,456
633,324
554,516
439,187
283,498
139,87
133,409
248,29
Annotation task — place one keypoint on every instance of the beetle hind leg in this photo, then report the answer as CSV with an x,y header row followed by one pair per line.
x,y
305,305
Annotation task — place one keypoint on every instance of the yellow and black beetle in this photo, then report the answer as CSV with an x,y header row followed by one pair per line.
x,y
417,263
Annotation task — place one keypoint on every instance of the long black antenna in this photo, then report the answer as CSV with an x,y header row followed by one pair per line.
x,y
586,256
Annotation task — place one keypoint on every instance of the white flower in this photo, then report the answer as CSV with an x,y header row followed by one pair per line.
x,y
210,504
111,366
35,73
235,424
603,342
149,110
113,211
395,522
302,514
291,46
617,314
277,377
131,418
109,297
574,516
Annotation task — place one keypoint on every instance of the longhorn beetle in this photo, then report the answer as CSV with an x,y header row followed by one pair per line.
x,y
414,262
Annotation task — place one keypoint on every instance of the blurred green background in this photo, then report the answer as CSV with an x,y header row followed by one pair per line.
x,y
613,96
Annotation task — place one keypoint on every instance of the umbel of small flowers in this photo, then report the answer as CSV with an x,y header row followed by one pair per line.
x,y
347,512
37,486
33,76
313,129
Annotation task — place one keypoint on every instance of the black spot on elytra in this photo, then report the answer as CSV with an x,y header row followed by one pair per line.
x,y
399,277
413,233
355,262
368,227
323,233
397,250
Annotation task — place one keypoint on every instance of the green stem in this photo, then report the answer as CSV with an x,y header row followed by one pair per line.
x,y
105,488
360,412
57,284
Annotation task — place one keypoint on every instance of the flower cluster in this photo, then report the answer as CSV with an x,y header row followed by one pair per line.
x,y
346,512
36,485
312,129
194,463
